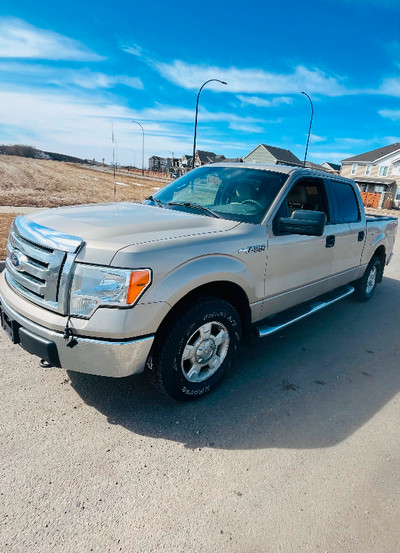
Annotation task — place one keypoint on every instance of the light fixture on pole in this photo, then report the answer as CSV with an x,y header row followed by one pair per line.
x,y
197,111
309,130
137,122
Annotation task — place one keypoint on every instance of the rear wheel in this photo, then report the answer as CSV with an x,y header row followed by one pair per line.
x,y
365,286
194,354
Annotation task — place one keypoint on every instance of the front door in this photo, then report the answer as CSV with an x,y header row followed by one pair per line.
x,y
298,267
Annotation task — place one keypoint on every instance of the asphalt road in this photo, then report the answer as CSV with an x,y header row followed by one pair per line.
x,y
296,451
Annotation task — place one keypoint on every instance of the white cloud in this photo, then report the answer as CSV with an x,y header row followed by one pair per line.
x,y
83,78
359,142
262,102
258,81
18,39
91,80
393,114
181,115
391,139
246,128
390,87
81,126
251,80
315,138
334,157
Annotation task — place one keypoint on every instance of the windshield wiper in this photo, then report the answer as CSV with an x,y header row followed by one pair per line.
x,y
202,208
156,201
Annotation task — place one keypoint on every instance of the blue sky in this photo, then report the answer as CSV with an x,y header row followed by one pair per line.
x,y
69,71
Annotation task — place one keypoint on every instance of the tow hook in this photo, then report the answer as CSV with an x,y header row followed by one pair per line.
x,y
45,364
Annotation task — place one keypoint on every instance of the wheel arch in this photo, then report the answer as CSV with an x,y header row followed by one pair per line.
x,y
225,290
380,253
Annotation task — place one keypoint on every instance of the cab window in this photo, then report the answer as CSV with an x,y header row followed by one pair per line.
x,y
346,205
306,194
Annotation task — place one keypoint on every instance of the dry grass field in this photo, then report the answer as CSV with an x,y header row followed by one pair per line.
x,y
44,183
5,222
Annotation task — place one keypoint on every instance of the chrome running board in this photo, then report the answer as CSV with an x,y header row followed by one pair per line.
x,y
281,320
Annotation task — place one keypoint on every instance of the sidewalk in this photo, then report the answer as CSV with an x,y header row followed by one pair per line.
x,y
19,210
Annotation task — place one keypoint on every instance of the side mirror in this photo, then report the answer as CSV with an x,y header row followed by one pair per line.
x,y
308,223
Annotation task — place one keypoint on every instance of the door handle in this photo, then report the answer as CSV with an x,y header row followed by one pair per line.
x,y
361,236
330,241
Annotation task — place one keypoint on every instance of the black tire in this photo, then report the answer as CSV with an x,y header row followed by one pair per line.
x,y
196,351
366,285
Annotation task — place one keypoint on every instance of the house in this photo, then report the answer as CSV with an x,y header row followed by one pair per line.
x,y
186,164
331,167
186,160
202,158
271,154
315,166
174,167
376,171
158,164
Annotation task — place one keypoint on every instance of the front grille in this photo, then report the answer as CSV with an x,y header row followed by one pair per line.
x,y
39,263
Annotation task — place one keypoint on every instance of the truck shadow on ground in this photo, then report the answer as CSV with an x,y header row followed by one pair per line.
x,y
309,386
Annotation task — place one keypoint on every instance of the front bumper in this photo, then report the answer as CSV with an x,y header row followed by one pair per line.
x,y
88,355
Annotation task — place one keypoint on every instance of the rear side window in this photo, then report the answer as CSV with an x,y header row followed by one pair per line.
x,y
346,205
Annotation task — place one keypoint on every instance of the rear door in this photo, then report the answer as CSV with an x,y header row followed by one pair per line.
x,y
347,231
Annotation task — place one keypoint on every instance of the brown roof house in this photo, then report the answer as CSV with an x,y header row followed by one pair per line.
x,y
271,154
376,171
331,167
202,158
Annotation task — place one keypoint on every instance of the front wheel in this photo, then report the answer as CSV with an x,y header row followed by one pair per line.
x,y
193,355
365,286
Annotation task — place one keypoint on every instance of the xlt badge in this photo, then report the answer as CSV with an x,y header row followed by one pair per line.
x,y
253,249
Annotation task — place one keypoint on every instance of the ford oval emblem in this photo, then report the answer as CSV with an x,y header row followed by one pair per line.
x,y
17,260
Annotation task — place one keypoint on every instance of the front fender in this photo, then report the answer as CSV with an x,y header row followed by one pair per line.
x,y
202,270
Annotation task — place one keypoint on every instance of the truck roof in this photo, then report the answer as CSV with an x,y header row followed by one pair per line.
x,y
285,169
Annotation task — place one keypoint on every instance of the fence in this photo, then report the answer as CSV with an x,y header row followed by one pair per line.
x,y
372,199
156,174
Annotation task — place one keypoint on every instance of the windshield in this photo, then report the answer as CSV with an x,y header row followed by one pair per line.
x,y
238,193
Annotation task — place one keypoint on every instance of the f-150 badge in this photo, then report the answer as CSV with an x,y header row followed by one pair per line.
x,y
253,249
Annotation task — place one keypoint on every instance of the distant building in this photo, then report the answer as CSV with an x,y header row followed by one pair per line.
x,y
158,164
314,166
174,167
271,154
186,161
334,167
376,171
203,158
186,164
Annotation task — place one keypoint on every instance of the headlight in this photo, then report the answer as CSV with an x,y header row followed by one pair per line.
x,y
94,286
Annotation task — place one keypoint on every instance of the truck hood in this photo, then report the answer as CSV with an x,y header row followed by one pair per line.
x,y
106,228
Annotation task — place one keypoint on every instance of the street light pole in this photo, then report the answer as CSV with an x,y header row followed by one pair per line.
x,y
197,112
137,122
309,130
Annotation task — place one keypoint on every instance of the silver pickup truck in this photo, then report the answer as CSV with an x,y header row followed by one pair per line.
x,y
173,285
